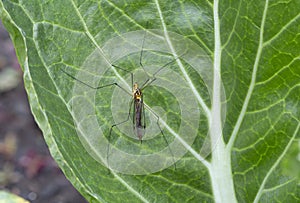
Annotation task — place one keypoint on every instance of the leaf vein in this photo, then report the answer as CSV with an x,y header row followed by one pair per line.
x,y
261,188
252,83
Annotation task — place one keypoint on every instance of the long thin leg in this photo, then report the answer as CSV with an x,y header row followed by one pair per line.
x,y
110,131
141,57
98,87
164,137
131,74
116,124
142,49
151,80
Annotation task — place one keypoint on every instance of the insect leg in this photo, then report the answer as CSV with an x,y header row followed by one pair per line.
x,y
142,50
153,78
164,137
110,132
116,124
107,85
141,55
92,87
131,74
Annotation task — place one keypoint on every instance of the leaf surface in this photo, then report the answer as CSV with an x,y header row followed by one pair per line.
x,y
227,99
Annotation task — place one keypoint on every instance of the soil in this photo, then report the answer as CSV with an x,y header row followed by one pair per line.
x,y
26,167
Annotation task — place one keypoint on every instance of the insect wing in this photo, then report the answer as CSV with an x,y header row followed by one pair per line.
x,y
139,118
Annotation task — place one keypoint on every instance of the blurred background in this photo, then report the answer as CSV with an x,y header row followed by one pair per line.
x,y
26,167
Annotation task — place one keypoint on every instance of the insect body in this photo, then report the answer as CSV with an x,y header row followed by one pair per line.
x,y
139,113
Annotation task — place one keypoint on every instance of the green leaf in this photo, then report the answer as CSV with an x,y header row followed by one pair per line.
x,y
10,198
226,96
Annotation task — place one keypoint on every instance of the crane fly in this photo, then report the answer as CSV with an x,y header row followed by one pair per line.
x,y
139,111
137,102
